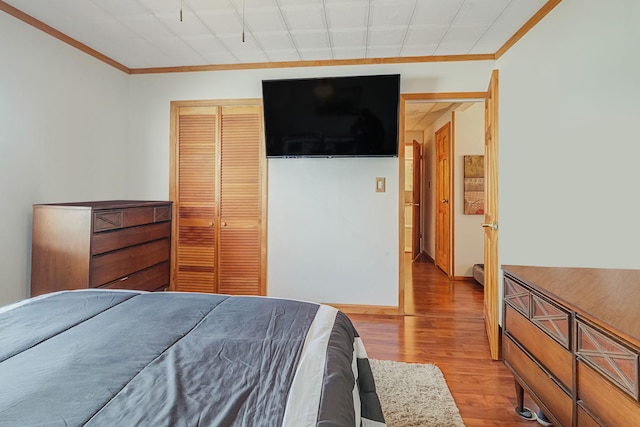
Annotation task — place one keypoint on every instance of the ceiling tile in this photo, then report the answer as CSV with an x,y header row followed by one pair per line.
x,y
436,12
222,22
304,18
118,8
464,34
265,19
204,43
152,6
247,51
347,39
390,12
475,12
212,49
425,35
347,15
147,25
311,40
190,25
349,53
274,41
386,36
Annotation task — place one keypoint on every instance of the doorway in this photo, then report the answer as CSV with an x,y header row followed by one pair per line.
x,y
422,115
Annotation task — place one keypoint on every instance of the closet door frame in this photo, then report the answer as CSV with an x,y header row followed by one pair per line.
x,y
173,179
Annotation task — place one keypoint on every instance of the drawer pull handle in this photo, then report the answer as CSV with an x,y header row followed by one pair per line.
x,y
124,278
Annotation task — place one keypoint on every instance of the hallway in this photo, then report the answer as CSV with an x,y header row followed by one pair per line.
x,y
447,329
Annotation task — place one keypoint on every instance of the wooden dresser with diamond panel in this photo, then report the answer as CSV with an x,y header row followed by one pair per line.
x,y
571,338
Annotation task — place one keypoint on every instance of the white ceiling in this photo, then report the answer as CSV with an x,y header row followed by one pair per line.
x,y
149,33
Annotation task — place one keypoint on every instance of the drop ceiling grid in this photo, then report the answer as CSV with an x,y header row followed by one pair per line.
x,y
149,33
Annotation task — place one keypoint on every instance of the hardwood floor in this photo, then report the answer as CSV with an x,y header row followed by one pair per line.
x,y
446,328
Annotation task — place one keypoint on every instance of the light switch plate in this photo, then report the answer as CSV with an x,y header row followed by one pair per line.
x,y
380,185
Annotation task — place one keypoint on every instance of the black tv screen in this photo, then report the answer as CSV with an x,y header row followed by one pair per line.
x,y
332,117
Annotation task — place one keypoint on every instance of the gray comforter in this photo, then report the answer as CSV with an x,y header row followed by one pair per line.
x,y
120,358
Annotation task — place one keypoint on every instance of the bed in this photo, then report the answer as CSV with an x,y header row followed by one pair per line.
x,y
128,358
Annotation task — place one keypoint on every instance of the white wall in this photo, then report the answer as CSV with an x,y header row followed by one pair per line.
x,y
568,139
63,137
331,235
469,234
359,263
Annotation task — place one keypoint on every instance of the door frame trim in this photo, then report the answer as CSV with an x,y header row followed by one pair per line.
x,y
427,96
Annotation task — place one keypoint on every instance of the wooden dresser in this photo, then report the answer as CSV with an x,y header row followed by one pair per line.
x,y
117,244
571,337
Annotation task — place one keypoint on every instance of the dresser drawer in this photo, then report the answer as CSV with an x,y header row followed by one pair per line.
x,y
117,239
549,353
149,279
551,319
115,265
104,220
539,381
612,359
603,399
517,296
584,419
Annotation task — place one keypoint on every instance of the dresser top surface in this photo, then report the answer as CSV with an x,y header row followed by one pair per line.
x,y
610,297
108,204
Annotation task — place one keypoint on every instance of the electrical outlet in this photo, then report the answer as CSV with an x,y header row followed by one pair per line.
x,y
380,185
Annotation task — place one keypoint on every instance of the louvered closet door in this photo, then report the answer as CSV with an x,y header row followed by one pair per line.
x,y
196,201
239,254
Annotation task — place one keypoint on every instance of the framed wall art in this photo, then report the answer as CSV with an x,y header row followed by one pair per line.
x,y
474,185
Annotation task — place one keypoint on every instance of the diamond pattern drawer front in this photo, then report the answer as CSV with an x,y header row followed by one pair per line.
x,y
107,220
516,295
551,319
613,360
161,213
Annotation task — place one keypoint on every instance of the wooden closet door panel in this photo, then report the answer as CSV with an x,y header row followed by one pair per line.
x,y
196,199
239,256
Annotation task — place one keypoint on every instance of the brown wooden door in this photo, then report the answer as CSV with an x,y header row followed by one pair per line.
x,y
417,178
443,194
491,303
217,185
195,198
239,255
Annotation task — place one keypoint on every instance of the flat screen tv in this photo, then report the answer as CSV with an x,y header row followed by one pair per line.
x,y
332,117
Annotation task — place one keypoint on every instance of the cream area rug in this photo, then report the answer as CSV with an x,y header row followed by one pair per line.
x,y
414,395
